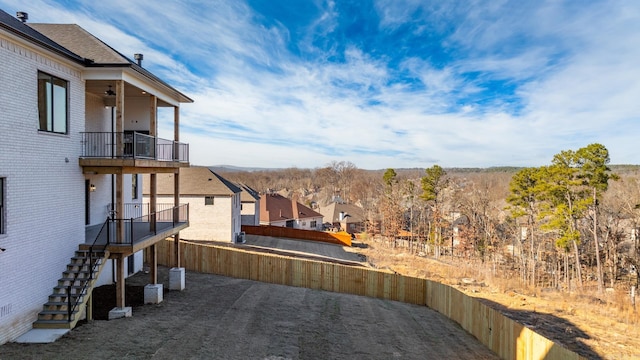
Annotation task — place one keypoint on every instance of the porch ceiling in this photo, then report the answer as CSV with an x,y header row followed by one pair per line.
x,y
99,87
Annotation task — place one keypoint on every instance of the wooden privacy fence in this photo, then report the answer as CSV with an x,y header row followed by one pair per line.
x,y
505,337
341,238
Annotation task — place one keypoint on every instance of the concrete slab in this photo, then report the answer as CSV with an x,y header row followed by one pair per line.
x,y
307,247
41,336
118,313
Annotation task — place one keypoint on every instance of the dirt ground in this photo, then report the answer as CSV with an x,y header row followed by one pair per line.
x,y
217,317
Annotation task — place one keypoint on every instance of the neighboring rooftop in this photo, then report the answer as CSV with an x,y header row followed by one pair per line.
x,y
194,181
350,213
275,207
248,194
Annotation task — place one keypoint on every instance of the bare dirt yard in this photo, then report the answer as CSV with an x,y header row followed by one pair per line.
x,y
217,317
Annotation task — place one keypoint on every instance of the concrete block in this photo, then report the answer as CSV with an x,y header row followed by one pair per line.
x,y
153,294
118,313
176,279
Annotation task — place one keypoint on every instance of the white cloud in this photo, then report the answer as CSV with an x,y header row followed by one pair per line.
x,y
258,104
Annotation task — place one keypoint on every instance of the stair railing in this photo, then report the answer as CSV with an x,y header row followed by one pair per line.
x,y
71,307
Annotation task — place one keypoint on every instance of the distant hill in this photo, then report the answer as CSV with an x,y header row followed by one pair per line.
x,y
231,168
622,168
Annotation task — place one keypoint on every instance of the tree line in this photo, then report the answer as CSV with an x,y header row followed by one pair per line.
x,y
560,225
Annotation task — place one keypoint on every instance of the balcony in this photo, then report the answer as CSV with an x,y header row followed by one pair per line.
x,y
127,236
110,152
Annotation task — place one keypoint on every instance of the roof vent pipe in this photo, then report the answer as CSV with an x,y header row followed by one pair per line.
x,y
138,58
22,16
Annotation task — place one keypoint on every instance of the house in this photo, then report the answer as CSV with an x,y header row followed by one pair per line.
x,y
250,207
214,203
277,210
79,124
345,217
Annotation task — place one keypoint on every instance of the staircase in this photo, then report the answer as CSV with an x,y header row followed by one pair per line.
x,y
76,285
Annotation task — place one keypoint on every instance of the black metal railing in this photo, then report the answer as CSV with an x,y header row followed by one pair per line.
x,y
92,268
133,230
136,210
132,145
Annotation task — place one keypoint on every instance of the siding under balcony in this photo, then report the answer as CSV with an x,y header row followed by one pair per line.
x,y
130,152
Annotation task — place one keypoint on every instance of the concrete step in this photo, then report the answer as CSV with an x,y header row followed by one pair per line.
x,y
42,335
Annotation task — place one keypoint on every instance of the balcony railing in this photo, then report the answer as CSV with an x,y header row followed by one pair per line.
x,y
132,145
136,210
135,230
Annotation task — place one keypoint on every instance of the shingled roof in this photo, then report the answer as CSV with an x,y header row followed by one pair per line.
x,y
332,212
275,207
194,181
17,27
248,194
77,44
81,42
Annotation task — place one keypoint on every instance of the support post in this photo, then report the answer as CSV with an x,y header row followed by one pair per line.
x,y
176,203
89,314
153,199
153,264
119,207
120,310
176,250
120,286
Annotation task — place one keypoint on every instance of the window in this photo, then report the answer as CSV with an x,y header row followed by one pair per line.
x,y
52,103
134,186
313,224
208,200
1,205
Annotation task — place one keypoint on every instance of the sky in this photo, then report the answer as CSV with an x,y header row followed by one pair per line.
x,y
382,83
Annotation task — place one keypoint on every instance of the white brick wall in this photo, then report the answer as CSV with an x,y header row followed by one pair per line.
x,y
220,221
44,186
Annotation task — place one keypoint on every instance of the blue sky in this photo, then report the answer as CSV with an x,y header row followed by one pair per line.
x,y
385,83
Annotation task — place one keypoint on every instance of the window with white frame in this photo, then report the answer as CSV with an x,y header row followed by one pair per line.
x,y
313,224
52,103
208,200
2,220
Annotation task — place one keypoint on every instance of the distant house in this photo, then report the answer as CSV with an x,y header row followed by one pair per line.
x,y
346,217
277,210
214,203
250,206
